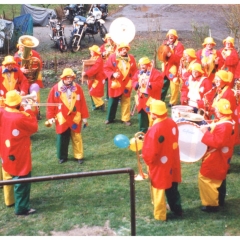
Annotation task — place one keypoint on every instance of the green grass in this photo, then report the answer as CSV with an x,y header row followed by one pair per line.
x,y
91,201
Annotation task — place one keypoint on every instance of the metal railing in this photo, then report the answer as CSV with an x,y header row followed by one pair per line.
x,y
88,174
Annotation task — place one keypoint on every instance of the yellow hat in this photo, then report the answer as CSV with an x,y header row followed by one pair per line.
x,y
229,39
68,72
158,107
107,36
223,106
223,75
173,32
12,98
191,52
8,60
208,40
95,49
197,67
123,45
144,60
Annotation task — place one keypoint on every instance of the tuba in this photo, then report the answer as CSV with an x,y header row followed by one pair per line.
x,y
32,64
121,30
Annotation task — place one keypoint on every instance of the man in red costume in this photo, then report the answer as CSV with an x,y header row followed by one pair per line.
x,y
148,83
170,67
229,59
161,154
198,86
16,128
209,57
120,68
96,84
108,48
68,116
215,164
12,78
34,76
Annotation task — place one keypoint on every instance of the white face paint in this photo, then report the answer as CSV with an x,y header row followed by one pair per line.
x,y
217,81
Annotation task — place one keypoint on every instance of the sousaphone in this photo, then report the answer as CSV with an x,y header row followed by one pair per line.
x,y
121,30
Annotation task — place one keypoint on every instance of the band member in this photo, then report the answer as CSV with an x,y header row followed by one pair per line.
x,y
215,164
96,85
209,57
11,77
184,71
224,91
120,68
33,75
16,128
229,59
161,154
69,116
148,83
198,85
106,49
170,67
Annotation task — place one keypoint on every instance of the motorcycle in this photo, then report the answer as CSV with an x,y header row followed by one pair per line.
x,y
57,36
104,9
73,10
92,25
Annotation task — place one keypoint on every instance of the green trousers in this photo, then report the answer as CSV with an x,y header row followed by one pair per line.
x,y
173,198
63,141
143,121
22,195
112,108
165,88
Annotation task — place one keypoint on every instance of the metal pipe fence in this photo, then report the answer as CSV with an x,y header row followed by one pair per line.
x,y
89,174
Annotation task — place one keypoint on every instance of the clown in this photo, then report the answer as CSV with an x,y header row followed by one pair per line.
x,y
161,154
148,83
120,68
68,116
96,84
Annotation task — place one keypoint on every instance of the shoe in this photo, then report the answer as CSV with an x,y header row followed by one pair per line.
x,y
30,211
179,214
209,208
102,107
80,161
127,123
11,205
62,161
108,122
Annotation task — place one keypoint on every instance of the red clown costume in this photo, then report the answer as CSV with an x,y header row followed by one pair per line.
x,y
96,79
216,161
229,59
16,127
161,154
148,83
11,77
69,115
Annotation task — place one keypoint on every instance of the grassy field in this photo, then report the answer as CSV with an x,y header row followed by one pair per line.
x,y
63,204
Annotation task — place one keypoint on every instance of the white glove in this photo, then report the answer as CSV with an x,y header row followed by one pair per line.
x,y
27,107
84,120
116,75
51,120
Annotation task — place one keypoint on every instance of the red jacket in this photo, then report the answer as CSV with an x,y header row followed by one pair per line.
x,y
156,83
16,127
67,116
18,81
220,143
113,65
161,153
96,86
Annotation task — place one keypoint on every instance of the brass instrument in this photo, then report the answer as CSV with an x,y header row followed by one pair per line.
x,y
121,30
136,144
32,64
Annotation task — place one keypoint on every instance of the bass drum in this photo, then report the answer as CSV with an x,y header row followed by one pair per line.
x,y
190,146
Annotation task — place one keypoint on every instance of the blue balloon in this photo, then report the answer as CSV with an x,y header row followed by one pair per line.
x,y
121,141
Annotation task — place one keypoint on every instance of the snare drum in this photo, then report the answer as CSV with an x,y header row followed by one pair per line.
x,y
177,109
190,146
